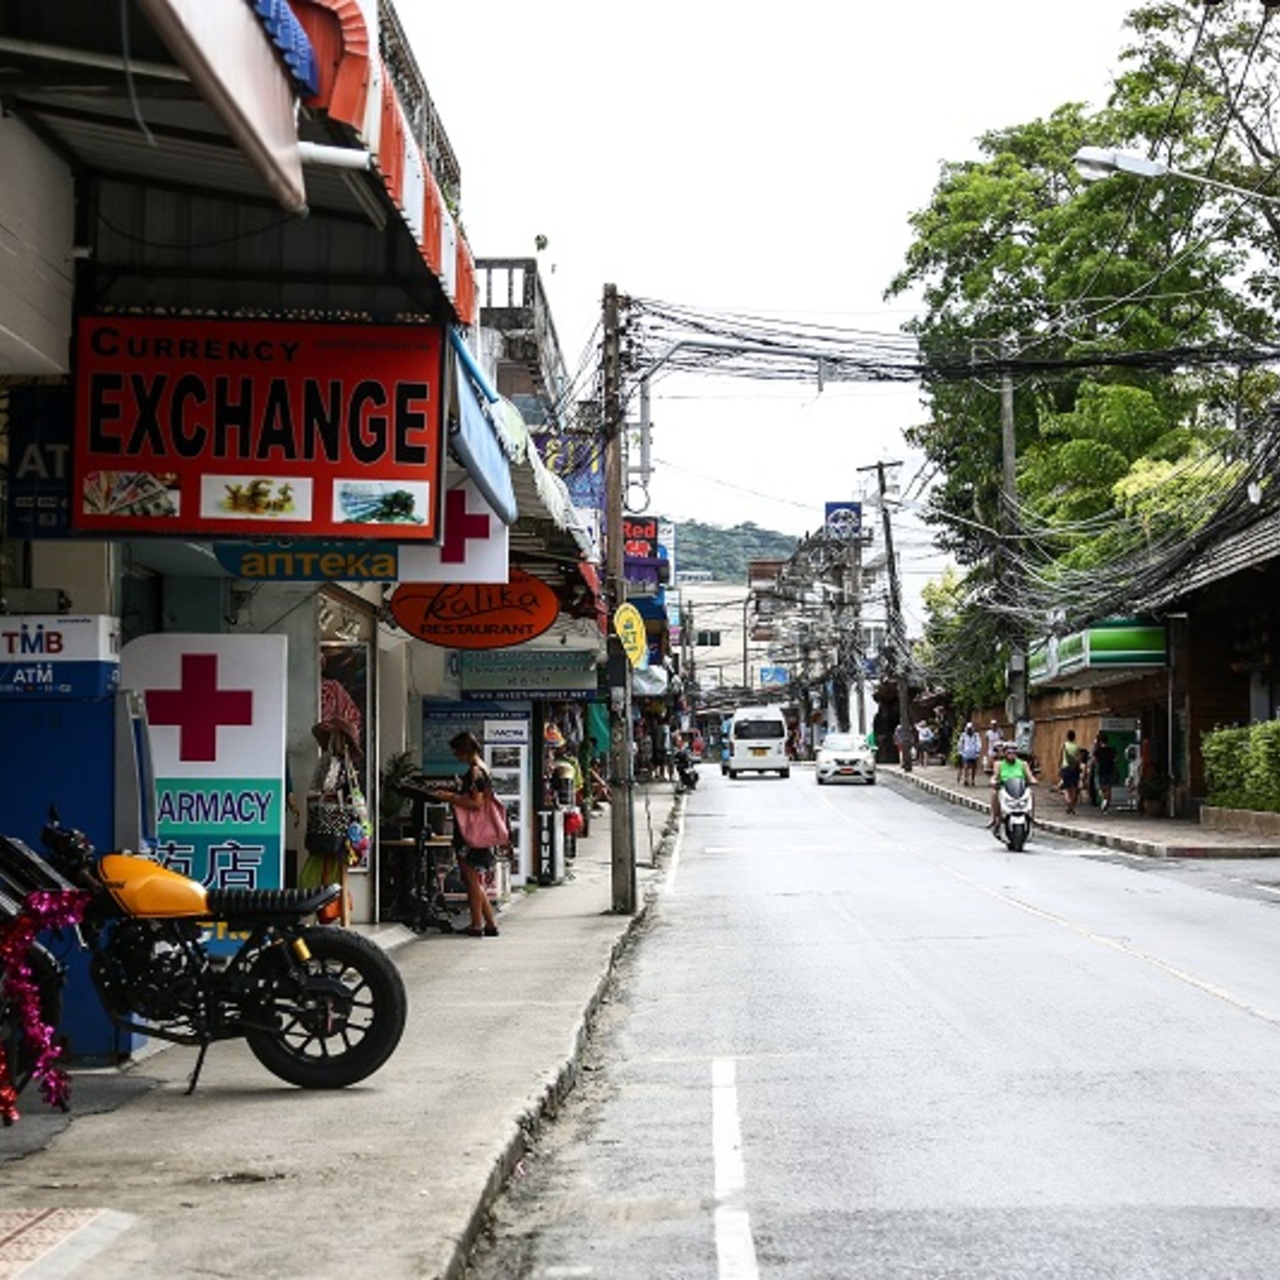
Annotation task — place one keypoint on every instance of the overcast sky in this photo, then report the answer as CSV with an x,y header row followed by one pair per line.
x,y
756,157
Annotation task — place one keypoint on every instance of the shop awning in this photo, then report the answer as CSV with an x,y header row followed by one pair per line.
x,y
476,443
231,62
288,36
1110,651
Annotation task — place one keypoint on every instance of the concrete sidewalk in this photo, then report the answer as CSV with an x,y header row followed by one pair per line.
x,y
391,1178
1123,829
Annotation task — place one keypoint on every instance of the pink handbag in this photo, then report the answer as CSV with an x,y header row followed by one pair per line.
x,y
485,827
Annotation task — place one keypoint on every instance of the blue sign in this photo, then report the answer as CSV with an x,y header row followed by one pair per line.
x,y
40,437
774,675
844,519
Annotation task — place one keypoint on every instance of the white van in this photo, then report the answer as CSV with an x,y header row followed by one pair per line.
x,y
757,742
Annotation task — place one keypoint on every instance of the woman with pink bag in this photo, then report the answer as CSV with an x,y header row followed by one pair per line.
x,y
473,807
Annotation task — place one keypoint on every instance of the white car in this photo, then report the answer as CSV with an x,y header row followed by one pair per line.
x,y
845,757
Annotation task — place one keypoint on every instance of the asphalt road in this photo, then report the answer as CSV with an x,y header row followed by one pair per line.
x,y
861,1039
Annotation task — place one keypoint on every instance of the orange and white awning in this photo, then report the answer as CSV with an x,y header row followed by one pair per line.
x,y
356,91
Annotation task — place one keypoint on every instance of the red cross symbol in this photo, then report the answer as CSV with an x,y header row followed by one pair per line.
x,y
460,527
199,707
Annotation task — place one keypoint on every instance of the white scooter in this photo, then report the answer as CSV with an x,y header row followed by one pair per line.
x,y
1014,799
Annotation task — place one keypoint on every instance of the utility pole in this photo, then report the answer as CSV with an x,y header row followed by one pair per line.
x,y
1009,529
851,595
620,768
897,634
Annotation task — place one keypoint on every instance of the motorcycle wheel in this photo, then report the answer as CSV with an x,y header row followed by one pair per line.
x,y
338,1017
1017,838
18,1053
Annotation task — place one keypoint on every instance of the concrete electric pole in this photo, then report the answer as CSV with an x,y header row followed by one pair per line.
x,y
620,769
1009,529
897,629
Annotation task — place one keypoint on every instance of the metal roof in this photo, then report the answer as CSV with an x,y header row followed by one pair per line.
x,y
176,214
1248,549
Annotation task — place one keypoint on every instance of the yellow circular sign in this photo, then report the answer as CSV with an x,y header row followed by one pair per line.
x,y
629,625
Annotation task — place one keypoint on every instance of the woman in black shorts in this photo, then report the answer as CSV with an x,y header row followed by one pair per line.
x,y
471,862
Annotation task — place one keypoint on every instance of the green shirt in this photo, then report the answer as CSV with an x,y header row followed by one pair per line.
x,y
1006,770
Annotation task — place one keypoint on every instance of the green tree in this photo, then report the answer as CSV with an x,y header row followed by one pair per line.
x,y
958,652
1014,255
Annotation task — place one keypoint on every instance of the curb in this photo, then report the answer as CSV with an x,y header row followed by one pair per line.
x,y
1125,844
561,1079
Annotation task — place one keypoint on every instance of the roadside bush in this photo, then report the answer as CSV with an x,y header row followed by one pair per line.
x,y
1242,767
1262,781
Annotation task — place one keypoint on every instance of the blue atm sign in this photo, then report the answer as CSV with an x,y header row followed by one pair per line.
x,y
57,656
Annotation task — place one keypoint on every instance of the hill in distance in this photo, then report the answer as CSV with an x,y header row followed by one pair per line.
x,y
724,553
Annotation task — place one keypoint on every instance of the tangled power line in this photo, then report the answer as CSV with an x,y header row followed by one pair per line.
x,y
680,339
1228,489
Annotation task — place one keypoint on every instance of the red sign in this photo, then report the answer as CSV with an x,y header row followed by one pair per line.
x,y
476,615
201,428
640,537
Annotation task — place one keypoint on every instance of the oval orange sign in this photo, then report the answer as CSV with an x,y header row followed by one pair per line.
x,y
476,615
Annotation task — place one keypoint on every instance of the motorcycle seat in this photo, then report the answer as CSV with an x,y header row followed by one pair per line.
x,y
269,904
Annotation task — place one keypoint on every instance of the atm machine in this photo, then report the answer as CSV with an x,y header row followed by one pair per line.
x,y
75,741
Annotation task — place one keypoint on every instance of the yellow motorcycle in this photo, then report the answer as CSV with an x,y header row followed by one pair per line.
x,y
319,1006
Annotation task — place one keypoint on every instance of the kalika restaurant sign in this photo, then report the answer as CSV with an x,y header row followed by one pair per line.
x,y
478,615
245,428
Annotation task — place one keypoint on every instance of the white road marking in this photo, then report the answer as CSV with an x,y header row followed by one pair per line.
x,y
735,1249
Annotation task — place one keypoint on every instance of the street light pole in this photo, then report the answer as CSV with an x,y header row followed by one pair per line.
x,y
1094,164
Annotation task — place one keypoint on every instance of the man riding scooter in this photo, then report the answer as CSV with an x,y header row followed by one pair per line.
x,y
1007,768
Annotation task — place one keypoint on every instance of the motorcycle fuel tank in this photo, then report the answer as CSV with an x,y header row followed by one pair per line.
x,y
145,889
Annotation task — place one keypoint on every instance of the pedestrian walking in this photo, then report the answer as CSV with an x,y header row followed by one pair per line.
x,y
992,737
1070,771
1104,768
970,749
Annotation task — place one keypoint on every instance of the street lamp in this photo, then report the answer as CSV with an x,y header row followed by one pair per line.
x,y
1096,163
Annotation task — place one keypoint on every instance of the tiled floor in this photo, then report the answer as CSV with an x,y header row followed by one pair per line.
x,y
40,1243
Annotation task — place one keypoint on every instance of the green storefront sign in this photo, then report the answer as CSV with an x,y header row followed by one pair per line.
x,y
1113,645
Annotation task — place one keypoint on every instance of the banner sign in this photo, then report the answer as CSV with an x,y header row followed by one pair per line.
x,y
630,627
206,428
476,615
639,537
39,426
58,655
843,519
475,545
216,708
301,560
530,673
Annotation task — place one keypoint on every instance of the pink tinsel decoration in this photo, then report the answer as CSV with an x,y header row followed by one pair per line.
x,y
40,911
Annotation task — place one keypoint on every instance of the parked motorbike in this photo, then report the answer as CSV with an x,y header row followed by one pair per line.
x,y
1014,798
686,770
319,1006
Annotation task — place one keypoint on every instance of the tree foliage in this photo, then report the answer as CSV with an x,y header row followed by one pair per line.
x,y
1015,255
961,650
